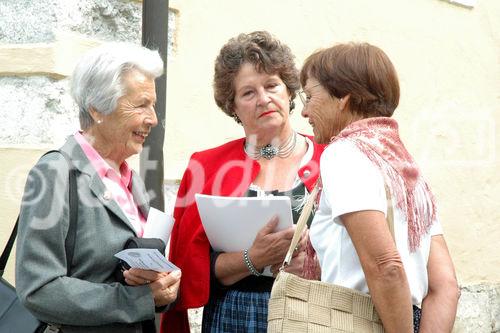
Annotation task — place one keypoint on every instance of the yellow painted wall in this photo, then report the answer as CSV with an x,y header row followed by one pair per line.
x,y
447,58
14,167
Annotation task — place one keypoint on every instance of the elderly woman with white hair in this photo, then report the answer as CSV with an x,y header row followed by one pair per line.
x,y
114,88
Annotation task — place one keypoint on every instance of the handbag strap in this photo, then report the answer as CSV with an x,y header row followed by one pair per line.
x,y
69,243
6,251
301,224
306,212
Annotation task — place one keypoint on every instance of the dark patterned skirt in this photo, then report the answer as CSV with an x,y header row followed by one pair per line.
x,y
236,311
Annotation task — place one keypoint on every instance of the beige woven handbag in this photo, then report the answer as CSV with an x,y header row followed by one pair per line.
x,y
300,305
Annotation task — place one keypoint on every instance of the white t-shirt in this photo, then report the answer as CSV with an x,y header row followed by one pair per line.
x,y
351,183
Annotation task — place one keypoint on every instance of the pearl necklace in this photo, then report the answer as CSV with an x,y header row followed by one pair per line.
x,y
269,151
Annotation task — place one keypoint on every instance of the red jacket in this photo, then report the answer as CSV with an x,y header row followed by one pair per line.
x,y
227,171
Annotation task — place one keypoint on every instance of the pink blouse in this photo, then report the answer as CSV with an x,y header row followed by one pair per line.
x,y
119,185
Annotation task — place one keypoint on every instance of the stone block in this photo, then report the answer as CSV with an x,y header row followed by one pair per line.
x,y
471,313
478,309
27,21
37,21
495,308
36,110
107,20
102,19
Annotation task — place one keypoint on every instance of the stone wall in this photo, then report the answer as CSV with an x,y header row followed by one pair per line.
x,y
40,42
36,110
478,309
36,107
38,21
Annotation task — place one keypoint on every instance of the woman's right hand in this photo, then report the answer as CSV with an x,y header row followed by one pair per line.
x,y
270,247
165,289
164,286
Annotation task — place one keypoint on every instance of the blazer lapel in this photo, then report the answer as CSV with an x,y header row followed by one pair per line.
x,y
106,199
82,163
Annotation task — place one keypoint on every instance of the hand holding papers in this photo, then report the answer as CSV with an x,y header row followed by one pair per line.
x,y
159,225
150,259
231,223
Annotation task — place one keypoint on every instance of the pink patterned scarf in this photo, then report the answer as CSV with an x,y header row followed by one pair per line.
x,y
378,138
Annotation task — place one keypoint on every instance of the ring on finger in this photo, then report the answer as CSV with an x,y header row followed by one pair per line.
x,y
147,282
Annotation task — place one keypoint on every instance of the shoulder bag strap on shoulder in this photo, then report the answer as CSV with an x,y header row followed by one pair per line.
x,y
8,248
69,243
301,224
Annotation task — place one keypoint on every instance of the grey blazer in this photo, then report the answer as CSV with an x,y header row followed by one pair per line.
x,y
89,300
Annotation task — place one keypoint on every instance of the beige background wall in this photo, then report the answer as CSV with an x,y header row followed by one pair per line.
x,y
447,57
14,166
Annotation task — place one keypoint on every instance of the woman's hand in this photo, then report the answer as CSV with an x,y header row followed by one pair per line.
x,y
299,257
137,277
296,265
269,247
164,286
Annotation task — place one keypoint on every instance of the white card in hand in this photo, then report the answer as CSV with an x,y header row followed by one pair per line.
x,y
150,259
159,225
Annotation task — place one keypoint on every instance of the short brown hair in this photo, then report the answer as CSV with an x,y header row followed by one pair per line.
x,y
262,50
361,70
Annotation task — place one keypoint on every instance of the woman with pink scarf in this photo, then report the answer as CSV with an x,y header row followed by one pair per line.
x,y
350,93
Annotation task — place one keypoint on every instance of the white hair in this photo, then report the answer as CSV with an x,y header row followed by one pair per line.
x,y
96,81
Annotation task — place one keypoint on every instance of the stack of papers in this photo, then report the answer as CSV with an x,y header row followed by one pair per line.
x,y
231,223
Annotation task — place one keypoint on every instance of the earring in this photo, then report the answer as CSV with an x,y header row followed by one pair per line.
x,y
341,100
99,121
236,118
292,106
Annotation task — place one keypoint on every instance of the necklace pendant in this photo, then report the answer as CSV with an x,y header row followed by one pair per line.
x,y
268,151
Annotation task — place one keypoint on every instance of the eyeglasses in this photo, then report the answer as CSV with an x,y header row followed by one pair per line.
x,y
303,96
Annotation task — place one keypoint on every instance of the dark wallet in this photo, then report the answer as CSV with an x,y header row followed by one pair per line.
x,y
137,243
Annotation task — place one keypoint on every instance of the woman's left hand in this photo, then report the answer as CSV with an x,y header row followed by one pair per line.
x,y
298,257
137,277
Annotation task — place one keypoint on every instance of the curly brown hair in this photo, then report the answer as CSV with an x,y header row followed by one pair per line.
x,y
262,50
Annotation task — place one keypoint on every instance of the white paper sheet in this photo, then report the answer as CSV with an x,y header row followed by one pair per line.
x,y
150,259
159,225
231,223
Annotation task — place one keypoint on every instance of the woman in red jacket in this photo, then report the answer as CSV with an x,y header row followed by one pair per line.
x,y
255,82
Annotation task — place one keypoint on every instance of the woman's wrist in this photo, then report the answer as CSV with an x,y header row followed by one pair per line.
x,y
248,262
